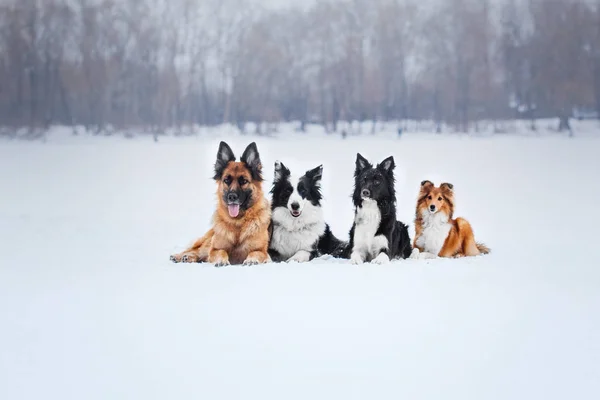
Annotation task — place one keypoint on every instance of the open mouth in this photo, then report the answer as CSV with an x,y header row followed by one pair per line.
x,y
234,210
295,214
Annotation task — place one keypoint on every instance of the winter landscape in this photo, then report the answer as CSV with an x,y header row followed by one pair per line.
x,y
111,114
93,308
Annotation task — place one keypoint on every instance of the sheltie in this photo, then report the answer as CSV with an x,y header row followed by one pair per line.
x,y
437,233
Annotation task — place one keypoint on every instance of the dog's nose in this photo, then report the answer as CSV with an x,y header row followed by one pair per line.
x,y
231,197
366,192
295,206
432,207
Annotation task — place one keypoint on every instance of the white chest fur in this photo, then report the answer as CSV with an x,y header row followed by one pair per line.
x,y
435,231
291,235
367,222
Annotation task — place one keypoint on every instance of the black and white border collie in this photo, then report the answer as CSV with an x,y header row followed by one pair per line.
x,y
299,231
376,236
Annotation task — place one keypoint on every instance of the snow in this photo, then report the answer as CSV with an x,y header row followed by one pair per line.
x,y
91,307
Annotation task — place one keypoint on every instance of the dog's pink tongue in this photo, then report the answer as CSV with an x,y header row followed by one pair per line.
x,y
234,210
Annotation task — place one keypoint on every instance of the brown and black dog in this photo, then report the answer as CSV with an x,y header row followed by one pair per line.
x,y
437,233
240,232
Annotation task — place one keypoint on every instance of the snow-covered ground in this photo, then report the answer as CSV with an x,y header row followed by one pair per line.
x,y
91,307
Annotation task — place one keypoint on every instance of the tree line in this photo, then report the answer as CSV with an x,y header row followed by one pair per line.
x,y
174,63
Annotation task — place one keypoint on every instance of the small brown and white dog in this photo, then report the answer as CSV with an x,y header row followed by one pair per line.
x,y
437,234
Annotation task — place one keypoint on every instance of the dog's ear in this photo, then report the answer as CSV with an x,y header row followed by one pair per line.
x,y
224,156
426,186
281,171
447,187
315,174
252,160
361,163
388,164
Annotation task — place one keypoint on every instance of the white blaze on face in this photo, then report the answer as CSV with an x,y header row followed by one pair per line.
x,y
295,196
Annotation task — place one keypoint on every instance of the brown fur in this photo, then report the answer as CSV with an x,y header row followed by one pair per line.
x,y
243,239
461,240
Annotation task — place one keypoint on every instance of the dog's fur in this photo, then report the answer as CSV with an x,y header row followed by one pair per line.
x,y
299,231
437,234
240,232
376,236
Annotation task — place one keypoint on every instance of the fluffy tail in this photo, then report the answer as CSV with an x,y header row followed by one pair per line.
x,y
329,244
483,249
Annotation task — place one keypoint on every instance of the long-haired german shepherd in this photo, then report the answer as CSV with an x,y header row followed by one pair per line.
x,y
240,232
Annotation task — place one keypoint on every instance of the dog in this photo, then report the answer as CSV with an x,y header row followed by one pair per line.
x,y
437,234
299,232
240,232
376,235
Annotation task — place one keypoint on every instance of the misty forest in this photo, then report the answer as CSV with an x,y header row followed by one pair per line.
x,y
153,64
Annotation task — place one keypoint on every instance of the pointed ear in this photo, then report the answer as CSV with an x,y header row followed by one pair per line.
x,y
426,186
224,156
252,160
361,163
281,171
447,187
316,174
388,164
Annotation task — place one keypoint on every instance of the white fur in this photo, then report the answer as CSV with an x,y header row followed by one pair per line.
x,y
381,259
435,231
292,235
300,257
295,196
366,244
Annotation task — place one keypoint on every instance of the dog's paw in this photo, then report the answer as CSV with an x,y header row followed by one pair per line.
x,y
381,259
190,258
415,254
248,262
300,257
176,258
356,259
221,263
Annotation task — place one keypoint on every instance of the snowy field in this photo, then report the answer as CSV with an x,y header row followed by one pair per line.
x,y
91,307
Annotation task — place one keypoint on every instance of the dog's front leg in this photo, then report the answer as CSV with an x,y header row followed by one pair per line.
x,y
382,243
301,256
357,257
218,257
256,257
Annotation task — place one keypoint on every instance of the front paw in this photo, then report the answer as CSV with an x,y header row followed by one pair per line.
x,y
190,258
381,259
300,257
356,259
250,261
176,258
415,254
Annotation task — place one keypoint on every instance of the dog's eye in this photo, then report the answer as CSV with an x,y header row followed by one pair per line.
x,y
430,198
242,181
376,182
227,180
439,199
288,191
